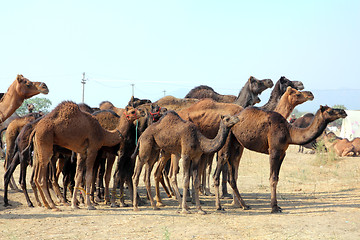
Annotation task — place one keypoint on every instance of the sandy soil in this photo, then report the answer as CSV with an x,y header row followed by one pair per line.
x,y
319,201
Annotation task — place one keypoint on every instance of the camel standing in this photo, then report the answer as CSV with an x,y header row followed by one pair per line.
x,y
268,132
67,126
181,138
206,116
21,89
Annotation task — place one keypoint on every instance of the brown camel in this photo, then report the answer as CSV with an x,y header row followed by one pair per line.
x,y
206,116
279,89
341,146
182,139
21,89
268,132
67,126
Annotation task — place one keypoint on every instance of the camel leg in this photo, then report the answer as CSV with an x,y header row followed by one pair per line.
x,y
23,167
158,176
174,169
197,187
54,178
217,183
34,187
138,167
109,165
276,159
7,177
78,179
186,181
148,168
207,175
37,178
165,173
90,163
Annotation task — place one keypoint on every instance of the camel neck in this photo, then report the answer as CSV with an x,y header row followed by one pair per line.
x,y
273,100
245,97
301,136
10,102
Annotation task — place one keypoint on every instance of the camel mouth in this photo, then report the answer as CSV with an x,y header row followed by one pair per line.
x,y
43,88
298,85
309,95
269,83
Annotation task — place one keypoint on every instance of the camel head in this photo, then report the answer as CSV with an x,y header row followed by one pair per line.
x,y
258,86
229,120
156,112
296,97
132,113
30,107
27,89
284,83
332,114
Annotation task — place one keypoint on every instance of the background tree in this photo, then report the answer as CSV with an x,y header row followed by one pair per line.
x,y
40,104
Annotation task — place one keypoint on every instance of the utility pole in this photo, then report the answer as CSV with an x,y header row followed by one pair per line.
x,y
83,81
164,92
132,86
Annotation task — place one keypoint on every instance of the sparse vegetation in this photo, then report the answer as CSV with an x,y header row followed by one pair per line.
x,y
323,155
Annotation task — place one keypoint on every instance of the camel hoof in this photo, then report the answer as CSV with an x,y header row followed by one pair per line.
x,y
55,209
246,207
7,204
160,204
74,206
185,211
66,204
124,205
114,205
276,209
156,208
91,207
30,205
201,212
220,209
136,209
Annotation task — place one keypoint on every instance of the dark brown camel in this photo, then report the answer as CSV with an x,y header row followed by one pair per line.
x,y
248,95
204,91
182,139
67,126
279,89
269,133
21,89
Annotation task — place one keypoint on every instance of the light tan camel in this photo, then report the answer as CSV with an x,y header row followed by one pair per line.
x,y
176,104
182,139
21,89
341,146
67,126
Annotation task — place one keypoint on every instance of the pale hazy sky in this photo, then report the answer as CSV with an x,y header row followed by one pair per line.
x,y
174,46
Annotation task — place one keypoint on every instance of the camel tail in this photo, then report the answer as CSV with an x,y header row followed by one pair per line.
x,y
136,152
28,147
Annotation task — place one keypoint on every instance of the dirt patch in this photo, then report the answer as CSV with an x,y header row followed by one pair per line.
x,y
319,201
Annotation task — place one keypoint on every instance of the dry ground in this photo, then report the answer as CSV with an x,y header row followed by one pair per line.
x,y
319,201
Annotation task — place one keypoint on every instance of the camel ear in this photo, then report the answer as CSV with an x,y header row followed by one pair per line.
x,y
19,78
251,79
289,89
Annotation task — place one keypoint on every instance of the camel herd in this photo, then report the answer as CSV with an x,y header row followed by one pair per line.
x,y
83,144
